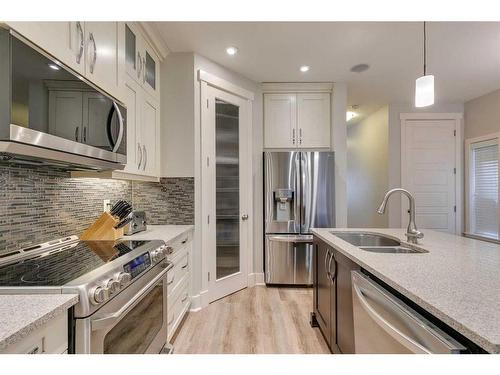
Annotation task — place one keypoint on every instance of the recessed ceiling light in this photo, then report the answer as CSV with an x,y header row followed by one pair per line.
x,y
360,68
231,51
349,115
304,68
54,66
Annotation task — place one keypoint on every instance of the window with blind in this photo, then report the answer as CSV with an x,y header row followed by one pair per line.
x,y
483,186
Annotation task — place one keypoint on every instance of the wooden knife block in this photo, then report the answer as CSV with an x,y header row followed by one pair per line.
x,y
103,229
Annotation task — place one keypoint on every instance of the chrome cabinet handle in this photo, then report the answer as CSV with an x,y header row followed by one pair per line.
x,y
326,263
184,241
139,64
77,129
300,136
293,136
185,298
334,274
79,28
140,155
145,157
85,134
171,281
94,57
184,266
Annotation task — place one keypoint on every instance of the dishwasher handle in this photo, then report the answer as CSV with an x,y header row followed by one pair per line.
x,y
360,282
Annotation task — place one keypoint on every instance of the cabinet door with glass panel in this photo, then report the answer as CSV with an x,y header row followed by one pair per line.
x,y
142,63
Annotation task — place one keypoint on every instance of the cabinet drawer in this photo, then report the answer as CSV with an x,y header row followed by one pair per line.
x,y
178,307
178,272
183,241
51,338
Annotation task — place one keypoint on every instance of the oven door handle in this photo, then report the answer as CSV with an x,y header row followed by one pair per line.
x,y
111,319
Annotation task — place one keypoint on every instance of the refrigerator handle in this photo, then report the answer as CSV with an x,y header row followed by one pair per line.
x,y
298,194
303,176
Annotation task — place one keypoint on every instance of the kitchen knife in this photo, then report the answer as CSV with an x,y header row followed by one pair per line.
x,y
124,222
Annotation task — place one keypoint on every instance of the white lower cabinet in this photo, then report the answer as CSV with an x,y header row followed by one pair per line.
x,y
50,338
178,280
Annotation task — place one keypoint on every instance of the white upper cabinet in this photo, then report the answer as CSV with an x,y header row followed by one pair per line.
x,y
63,40
89,48
297,120
143,129
101,65
313,120
149,135
280,120
142,63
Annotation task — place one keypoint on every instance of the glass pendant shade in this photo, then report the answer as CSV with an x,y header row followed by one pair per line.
x,y
424,91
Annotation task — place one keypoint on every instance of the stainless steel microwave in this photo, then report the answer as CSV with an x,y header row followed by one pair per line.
x,y
49,114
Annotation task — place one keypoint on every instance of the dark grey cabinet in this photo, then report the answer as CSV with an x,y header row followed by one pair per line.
x,y
333,297
324,294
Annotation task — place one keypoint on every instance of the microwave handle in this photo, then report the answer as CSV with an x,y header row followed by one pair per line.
x,y
120,132
101,323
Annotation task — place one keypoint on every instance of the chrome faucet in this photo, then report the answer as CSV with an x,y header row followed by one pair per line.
x,y
412,233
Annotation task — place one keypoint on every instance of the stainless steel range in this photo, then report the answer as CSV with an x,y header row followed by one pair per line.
x,y
122,288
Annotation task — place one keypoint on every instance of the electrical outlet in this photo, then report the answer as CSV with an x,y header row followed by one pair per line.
x,y
106,205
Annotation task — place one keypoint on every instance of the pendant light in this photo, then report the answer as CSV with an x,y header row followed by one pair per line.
x,y
424,86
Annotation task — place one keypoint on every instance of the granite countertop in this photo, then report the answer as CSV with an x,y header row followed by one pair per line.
x,y
161,232
457,281
22,314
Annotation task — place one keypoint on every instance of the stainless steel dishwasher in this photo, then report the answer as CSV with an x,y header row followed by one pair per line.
x,y
383,324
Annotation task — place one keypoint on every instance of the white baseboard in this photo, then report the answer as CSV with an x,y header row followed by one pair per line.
x,y
195,303
199,301
255,279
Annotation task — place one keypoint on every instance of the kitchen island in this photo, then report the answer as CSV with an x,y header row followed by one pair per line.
x,y
457,280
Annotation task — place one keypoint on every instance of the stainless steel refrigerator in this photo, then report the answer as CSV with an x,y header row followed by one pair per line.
x,y
299,194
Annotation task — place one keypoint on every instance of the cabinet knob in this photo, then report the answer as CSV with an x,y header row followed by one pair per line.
x,y
244,217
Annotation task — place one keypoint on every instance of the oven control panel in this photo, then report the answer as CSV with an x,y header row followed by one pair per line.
x,y
138,265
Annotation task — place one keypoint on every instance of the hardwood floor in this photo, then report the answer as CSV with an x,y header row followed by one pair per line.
x,y
265,320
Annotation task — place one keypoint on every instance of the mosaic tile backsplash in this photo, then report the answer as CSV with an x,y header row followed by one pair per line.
x,y
42,203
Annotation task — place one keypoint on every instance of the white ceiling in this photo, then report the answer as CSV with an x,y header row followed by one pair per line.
x,y
463,56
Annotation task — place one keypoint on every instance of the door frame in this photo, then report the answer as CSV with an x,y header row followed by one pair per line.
x,y
207,82
457,117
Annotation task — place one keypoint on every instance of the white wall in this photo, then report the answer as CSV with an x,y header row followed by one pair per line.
x,y
395,109
368,169
339,145
482,115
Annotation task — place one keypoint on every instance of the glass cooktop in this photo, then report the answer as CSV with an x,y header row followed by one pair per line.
x,y
60,266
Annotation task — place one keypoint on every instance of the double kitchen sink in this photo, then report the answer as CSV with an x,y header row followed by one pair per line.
x,y
377,243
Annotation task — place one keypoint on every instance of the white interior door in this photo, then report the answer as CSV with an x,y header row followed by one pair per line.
x,y
428,171
226,186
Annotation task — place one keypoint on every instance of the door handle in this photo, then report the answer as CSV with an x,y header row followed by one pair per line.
x,y
79,28
326,263
94,57
139,64
145,157
244,217
334,274
121,131
140,155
